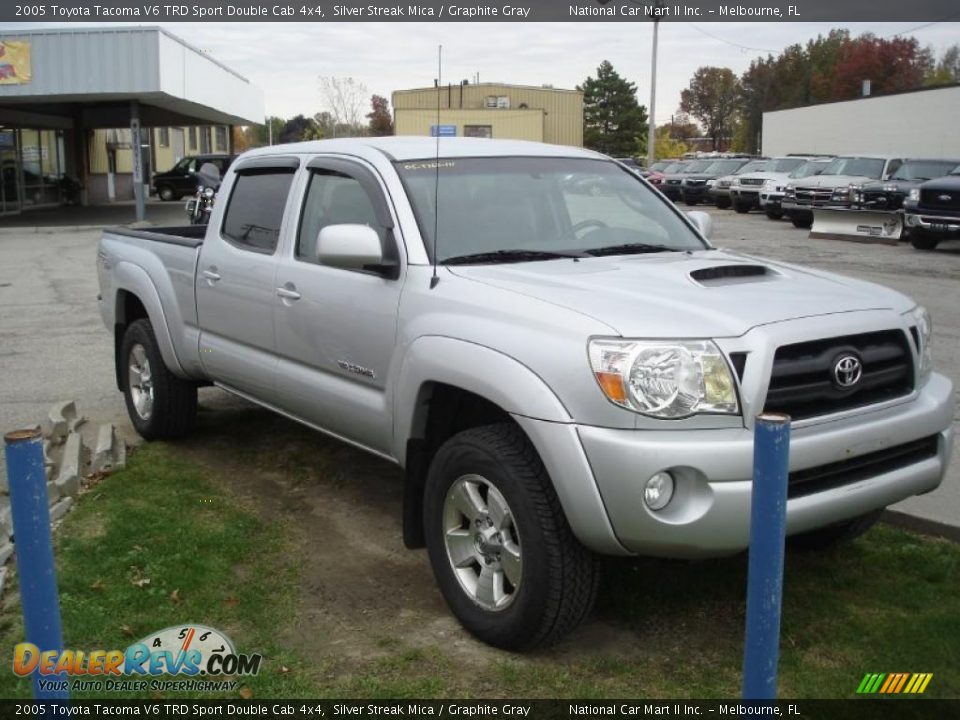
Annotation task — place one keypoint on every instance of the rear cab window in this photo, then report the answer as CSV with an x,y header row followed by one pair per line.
x,y
256,206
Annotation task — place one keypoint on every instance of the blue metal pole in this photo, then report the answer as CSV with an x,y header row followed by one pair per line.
x,y
29,508
768,514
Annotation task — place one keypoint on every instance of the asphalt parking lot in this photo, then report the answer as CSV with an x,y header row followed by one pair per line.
x,y
54,347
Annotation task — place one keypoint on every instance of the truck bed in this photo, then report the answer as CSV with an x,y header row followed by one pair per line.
x,y
186,235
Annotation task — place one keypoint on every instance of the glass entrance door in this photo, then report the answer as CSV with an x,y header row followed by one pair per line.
x,y
9,172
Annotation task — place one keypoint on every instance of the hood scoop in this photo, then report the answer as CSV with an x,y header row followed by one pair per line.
x,y
717,275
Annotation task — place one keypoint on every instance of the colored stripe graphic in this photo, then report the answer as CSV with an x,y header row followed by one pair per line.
x,y
894,683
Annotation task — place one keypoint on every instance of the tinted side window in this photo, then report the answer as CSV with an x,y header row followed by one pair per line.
x,y
333,199
253,216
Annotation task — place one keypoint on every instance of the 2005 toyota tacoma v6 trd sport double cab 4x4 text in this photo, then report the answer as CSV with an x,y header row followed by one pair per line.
x,y
580,377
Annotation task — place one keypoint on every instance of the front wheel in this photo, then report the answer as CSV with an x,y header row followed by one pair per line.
x,y
921,241
722,203
801,221
691,201
502,552
160,405
774,214
166,193
741,208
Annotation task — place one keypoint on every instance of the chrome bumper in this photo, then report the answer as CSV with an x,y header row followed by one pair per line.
x,y
935,223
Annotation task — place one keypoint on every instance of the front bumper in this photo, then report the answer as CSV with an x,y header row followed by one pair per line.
x,y
709,514
671,191
948,225
745,195
770,200
695,193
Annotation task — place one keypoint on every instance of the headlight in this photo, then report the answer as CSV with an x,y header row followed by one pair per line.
x,y
209,192
914,194
790,191
711,183
769,184
924,324
663,378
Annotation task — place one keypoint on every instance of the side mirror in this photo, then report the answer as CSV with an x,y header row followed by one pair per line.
x,y
354,247
703,222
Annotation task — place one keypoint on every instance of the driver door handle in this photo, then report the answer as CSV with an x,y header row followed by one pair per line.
x,y
287,293
211,275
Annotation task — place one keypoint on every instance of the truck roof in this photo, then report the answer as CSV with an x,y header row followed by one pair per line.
x,y
419,147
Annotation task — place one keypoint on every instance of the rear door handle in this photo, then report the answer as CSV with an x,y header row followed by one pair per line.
x,y
211,275
287,293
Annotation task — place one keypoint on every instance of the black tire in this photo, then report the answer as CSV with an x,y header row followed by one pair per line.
x,y
691,201
722,203
837,534
921,241
774,214
166,193
742,208
800,221
558,580
174,407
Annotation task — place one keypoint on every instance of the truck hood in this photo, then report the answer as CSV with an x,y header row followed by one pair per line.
x,y
703,294
833,181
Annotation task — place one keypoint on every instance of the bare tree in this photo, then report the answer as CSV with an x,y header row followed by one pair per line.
x,y
346,99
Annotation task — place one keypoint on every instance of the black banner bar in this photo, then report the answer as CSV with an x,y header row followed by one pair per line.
x,y
865,709
321,11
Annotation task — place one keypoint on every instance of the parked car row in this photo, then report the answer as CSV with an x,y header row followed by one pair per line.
x,y
868,196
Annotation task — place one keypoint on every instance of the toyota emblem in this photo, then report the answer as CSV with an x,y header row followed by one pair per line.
x,y
848,371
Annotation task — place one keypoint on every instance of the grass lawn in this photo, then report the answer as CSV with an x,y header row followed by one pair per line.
x,y
888,603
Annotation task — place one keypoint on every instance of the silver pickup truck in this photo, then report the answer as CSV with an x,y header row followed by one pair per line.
x,y
557,357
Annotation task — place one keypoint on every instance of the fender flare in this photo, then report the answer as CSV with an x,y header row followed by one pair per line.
x,y
497,377
135,280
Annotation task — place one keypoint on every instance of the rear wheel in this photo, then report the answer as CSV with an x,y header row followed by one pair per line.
x,y
921,241
502,552
160,404
774,214
837,534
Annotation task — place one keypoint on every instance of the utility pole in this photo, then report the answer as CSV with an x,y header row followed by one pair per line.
x,y
652,120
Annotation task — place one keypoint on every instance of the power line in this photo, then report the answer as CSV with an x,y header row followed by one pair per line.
x,y
729,42
921,27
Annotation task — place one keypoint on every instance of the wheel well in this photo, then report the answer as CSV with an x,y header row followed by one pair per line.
x,y
441,412
129,309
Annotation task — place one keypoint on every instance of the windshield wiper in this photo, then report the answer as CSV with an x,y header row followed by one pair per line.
x,y
630,249
505,256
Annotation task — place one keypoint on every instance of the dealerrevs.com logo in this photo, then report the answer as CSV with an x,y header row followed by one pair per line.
x,y
203,655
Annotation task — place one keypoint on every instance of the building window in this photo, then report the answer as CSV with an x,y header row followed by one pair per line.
x,y
478,131
221,138
163,137
491,101
193,138
205,140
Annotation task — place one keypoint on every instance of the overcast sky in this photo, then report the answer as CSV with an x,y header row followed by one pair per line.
x,y
285,59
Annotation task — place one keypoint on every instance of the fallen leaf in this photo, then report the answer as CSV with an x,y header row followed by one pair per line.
x,y
246,693
231,602
126,630
284,669
140,582
97,584
175,596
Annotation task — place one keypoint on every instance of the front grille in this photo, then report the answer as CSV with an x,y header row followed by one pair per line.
x,y
804,384
696,182
751,181
945,199
813,196
862,467
673,181
881,200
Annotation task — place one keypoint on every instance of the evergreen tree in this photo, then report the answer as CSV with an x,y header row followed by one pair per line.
x,y
613,121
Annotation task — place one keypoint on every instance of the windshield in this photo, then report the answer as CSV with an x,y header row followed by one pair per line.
x,y
697,166
660,166
923,169
539,205
724,167
752,166
185,165
674,167
809,169
782,165
864,167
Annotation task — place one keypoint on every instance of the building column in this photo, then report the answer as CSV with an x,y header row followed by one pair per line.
x,y
136,147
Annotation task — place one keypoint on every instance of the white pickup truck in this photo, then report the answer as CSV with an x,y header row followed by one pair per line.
x,y
561,373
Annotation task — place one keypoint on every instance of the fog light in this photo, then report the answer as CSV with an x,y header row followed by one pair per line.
x,y
659,490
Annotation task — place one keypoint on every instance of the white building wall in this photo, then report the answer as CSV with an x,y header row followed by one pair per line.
x,y
915,124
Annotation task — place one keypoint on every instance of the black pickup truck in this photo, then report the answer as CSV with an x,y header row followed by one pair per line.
x,y
932,211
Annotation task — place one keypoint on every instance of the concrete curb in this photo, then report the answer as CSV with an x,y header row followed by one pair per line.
x,y
921,525
68,462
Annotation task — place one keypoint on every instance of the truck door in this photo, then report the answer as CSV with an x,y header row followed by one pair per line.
x,y
236,288
336,328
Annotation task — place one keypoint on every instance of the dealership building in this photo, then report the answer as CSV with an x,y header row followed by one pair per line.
x,y
918,123
491,110
86,113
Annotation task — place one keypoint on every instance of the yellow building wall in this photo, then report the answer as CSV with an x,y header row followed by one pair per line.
x,y
505,124
562,109
164,154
